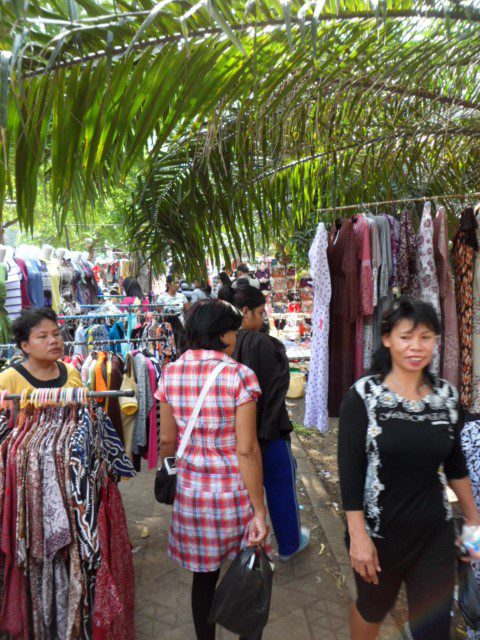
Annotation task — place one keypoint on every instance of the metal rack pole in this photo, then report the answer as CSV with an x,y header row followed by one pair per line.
x,y
127,393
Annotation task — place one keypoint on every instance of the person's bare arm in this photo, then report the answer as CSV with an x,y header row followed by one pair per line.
x,y
250,464
463,490
363,553
168,434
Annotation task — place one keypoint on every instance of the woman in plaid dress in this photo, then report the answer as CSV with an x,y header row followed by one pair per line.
x,y
219,498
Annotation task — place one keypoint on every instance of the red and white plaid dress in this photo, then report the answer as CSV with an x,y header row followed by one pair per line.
x,y
212,508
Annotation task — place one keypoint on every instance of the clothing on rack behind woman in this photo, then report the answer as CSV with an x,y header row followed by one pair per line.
x,y
55,493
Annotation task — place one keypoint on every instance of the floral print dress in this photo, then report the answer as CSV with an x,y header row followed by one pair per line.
x,y
427,272
464,246
316,413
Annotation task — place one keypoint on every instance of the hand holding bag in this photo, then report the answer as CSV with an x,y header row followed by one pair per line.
x,y
242,600
166,478
468,595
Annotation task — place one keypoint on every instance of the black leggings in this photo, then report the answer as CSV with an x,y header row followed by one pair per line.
x,y
203,589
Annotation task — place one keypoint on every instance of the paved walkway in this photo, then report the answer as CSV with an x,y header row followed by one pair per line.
x,y
310,595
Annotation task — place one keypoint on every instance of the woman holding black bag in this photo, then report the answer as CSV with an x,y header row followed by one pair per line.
x,y
219,494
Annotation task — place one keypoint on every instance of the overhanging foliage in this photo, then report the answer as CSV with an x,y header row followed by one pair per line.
x,y
247,116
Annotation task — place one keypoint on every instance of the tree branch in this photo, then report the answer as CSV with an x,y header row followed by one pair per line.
x,y
455,15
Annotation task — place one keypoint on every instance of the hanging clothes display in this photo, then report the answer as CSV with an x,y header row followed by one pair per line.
x,y
47,285
13,303
316,414
58,501
35,283
68,288
449,350
54,275
342,259
427,273
376,257
464,246
395,237
26,302
385,295
475,404
361,231
407,257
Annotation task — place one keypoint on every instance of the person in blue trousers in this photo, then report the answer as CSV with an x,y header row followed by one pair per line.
x,y
266,356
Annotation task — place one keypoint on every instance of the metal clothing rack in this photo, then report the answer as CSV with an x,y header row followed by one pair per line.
x,y
127,393
112,341
70,343
365,205
93,316
129,307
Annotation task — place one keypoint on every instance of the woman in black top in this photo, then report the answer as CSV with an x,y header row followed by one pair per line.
x,y
267,357
399,444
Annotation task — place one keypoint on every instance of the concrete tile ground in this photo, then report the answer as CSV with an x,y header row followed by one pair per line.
x,y
310,600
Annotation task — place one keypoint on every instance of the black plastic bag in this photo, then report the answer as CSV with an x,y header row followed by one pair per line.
x,y
165,486
242,600
468,595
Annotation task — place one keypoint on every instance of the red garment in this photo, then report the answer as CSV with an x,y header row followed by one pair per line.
x,y
23,283
152,456
361,232
344,310
114,606
14,614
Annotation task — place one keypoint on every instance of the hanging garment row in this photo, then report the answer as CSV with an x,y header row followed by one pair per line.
x,y
359,266
67,569
47,282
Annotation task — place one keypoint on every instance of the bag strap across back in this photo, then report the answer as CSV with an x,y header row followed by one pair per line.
x,y
198,405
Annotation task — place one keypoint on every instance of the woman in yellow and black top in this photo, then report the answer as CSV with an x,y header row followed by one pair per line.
x,y
37,334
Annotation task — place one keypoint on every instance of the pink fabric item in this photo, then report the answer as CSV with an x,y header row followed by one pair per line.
x,y
152,455
131,301
14,614
361,231
450,345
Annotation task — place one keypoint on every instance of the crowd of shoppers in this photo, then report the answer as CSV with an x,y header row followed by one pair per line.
x,y
399,446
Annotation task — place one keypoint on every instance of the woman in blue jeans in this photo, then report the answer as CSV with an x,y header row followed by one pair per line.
x,y
266,356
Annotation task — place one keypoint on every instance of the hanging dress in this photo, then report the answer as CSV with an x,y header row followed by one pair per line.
x,y
376,257
361,231
464,246
427,273
68,289
395,236
475,406
54,275
449,351
407,257
342,259
385,295
316,413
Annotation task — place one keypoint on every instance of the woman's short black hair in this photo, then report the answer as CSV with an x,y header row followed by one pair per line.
x,y
404,308
243,296
224,279
132,288
207,321
28,320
